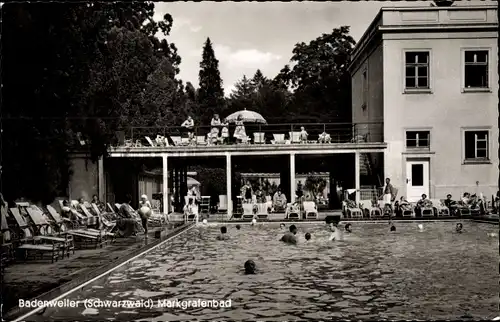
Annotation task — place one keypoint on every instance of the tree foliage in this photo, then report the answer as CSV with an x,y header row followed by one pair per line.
x,y
210,93
71,68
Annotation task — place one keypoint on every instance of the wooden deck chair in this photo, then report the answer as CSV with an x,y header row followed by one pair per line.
x,y
200,140
248,211
205,204
238,210
65,243
464,211
41,225
91,219
27,239
310,210
106,223
294,137
441,209
79,220
177,140
292,212
110,208
151,143
59,221
193,215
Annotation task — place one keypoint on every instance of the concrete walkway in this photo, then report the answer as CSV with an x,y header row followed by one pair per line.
x,y
39,278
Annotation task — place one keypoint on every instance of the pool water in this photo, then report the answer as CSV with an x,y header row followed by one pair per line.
x,y
432,273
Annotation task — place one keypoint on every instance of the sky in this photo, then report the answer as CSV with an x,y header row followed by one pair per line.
x,y
260,35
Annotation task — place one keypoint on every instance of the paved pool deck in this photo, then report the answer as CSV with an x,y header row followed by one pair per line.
x,y
43,280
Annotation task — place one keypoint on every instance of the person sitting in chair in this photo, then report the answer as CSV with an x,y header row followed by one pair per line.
x,y
324,138
188,125
279,201
224,136
403,205
215,123
422,203
451,204
190,209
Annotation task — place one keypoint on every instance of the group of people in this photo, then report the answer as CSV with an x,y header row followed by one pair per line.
x,y
219,133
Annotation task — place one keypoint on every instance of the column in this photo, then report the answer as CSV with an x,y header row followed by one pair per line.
x,y
357,174
292,177
101,184
229,192
166,197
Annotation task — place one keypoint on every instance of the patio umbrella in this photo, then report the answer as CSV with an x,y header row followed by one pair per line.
x,y
192,182
246,117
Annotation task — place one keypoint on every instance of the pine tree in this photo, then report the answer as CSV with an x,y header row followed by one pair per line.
x,y
259,81
243,89
211,92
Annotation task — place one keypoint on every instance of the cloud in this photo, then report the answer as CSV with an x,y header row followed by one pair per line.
x,y
244,58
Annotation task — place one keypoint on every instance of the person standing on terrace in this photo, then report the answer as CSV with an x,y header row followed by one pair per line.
x,y
225,131
188,125
239,131
303,135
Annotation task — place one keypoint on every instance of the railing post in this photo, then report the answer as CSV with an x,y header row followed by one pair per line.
x,y
357,174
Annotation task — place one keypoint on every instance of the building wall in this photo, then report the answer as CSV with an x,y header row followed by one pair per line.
x,y
373,110
84,182
445,111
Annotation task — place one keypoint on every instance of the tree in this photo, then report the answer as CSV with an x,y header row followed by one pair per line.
x,y
210,93
68,68
320,78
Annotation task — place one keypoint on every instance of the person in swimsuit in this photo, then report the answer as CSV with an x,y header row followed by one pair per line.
x,y
223,233
459,227
348,228
308,236
250,267
289,237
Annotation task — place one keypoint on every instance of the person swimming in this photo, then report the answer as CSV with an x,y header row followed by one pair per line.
x,y
254,221
393,228
205,221
459,227
250,267
238,227
290,236
308,236
336,234
223,233
282,226
348,228
420,227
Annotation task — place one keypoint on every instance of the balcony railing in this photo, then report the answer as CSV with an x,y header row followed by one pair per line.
x,y
285,133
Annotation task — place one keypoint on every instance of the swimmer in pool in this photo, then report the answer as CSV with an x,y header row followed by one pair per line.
x,y
459,228
250,267
238,227
336,233
282,226
223,234
289,237
308,236
393,228
348,228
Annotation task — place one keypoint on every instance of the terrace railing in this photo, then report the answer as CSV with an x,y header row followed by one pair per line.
x,y
284,133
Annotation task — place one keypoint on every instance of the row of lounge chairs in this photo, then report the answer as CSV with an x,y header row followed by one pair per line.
x,y
258,138
34,231
366,209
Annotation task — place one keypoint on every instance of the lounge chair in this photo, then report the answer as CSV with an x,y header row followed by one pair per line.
x,y
263,210
41,225
238,210
153,144
441,209
248,213
200,140
109,225
59,221
222,206
278,139
294,137
259,138
310,210
79,220
58,243
292,211
91,219
409,212
369,210
193,215
110,208
427,211
351,211
176,139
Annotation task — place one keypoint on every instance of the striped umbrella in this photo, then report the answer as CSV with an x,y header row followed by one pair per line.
x,y
247,117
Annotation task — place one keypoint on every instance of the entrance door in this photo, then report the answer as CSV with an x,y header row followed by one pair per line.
x,y
417,179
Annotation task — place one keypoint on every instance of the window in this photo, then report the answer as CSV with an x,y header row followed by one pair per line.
x,y
418,139
365,89
476,145
476,69
417,70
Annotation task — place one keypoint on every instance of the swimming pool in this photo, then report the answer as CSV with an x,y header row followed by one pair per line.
x,y
371,274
